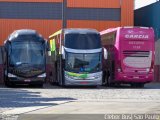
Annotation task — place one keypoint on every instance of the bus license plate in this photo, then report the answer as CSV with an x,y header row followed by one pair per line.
x,y
136,77
27,80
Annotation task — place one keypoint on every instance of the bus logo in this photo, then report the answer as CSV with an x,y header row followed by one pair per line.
x,y
137,36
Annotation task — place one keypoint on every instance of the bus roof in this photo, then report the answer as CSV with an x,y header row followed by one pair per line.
x,y
125,27
21,32
56,33
75,30
24,32
80,30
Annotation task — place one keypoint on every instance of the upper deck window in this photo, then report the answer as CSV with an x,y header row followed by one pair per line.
x,y
82,41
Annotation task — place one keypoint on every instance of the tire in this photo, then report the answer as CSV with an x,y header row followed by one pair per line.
x,y
40,85
37,85
63,82
60,77
109,80
57,75
6,82
104,79
109,83
137,85
56,82
9,84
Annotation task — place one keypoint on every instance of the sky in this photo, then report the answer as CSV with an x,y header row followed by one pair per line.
x,y
141,3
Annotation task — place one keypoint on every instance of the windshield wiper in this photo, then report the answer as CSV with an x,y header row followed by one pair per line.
x,y
20,63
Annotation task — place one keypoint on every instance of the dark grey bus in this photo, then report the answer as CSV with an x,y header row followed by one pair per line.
x,y
25,58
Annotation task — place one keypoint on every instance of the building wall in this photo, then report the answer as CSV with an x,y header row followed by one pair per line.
x,y
48,16
149,16
99,15
43,17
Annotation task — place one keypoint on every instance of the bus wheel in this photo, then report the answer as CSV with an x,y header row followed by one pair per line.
x,y
9,84
109,83
6,82
63,83
137,85
58,77
40,85
104,79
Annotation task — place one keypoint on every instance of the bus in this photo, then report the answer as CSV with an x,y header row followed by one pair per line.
x,y
131,54
77,57
25,58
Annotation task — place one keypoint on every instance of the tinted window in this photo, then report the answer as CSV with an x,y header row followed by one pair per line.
x,y
83,62
82,41
26,52
26,58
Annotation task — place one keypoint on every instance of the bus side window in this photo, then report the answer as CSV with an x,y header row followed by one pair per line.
x,y
52,45
47,46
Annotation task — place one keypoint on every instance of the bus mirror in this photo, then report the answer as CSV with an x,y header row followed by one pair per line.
x,y
105,53
49,53
63,52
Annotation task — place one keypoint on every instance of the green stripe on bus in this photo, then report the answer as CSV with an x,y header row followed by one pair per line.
x,y
53,45
83,76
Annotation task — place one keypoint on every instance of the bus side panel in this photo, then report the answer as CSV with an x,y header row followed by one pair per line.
x,y
55,58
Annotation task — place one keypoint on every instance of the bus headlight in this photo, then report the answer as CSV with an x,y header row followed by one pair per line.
x,y
11,75
147,69
42,75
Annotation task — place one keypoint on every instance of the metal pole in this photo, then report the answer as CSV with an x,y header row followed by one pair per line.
x,y
64,13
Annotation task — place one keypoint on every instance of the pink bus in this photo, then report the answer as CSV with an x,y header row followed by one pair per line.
x,y
130,56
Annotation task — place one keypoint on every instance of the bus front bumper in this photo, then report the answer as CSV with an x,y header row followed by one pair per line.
x,y
83,82
146,78
21,80
93,79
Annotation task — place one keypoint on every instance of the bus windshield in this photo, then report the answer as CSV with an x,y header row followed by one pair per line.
x,y
27,52
80,62
82,41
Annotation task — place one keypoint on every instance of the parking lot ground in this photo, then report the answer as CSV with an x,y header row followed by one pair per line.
x,y
101,100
